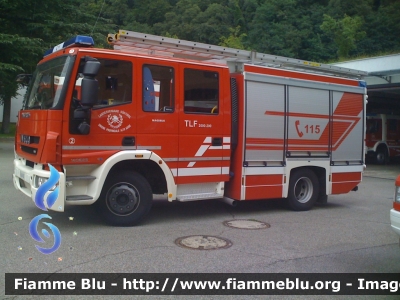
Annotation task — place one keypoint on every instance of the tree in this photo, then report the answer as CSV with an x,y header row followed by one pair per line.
x,y
28,28
278,28
17,55
346,32
17,52
234,40
382,28
149,12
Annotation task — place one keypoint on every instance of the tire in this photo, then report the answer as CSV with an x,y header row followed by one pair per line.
x,y
303,190
381,156
125,199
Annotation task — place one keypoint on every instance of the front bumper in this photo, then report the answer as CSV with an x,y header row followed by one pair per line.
x,y
24,181
395,220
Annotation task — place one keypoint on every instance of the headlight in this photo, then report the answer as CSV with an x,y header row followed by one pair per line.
x,y
397,194
38,181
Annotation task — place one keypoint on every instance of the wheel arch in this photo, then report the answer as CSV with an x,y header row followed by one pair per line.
x,y
382,145
321,171
316,176
379,145
147,163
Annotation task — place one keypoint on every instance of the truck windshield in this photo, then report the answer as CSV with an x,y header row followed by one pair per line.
x,y
48,84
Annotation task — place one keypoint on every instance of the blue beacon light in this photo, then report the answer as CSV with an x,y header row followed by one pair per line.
x,y
79,40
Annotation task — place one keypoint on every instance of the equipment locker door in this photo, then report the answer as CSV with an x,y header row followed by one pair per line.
x,y
201,139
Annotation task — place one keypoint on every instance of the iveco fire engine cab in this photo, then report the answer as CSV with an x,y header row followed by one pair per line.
x,y
189,121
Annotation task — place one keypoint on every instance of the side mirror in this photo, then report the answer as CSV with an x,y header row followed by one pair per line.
x,y
23,79
84,128
91,68
89,92
79,120
90,86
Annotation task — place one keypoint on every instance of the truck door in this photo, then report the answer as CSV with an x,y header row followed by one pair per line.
x,y
201,128
112,119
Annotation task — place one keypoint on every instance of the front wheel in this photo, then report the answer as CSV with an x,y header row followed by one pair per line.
x,y
303,190
126,198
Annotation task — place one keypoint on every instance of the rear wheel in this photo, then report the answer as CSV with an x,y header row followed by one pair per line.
x,y
126,198
303,190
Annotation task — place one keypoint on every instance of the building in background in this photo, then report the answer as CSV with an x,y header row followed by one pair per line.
x,y
383,82
16,105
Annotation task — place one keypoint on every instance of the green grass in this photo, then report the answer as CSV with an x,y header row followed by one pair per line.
x,y
12,131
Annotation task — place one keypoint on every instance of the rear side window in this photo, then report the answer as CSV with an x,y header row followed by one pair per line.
x,y
158,88
201,91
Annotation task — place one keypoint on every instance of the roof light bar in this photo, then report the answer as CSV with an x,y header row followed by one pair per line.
x,y
362,83
79,40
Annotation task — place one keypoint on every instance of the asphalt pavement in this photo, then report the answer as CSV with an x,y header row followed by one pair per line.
x,y
350,234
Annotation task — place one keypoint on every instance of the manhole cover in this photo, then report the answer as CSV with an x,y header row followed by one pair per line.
x,y
203,242
247,224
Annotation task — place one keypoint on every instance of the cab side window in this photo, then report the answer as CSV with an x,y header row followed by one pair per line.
x,y
115,82
157,88
201,91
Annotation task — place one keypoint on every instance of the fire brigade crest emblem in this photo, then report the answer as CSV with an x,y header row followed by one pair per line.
x,y
115,121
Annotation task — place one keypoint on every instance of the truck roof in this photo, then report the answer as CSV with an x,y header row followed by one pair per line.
x,y
143,45
137,42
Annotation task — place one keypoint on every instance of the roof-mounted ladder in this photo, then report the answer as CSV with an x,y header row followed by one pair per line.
x,y
151,44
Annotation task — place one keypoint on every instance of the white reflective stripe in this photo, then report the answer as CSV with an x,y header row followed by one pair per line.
x,y
215,147
99,147
263,170
111,148
191,164
199,171
347,169
227,147
149,147
227,139
202,149
170,159
207,140
201,158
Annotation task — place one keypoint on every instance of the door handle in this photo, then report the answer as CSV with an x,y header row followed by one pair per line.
x,y
217,141
128,141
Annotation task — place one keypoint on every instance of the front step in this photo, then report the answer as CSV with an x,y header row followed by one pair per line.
x,y
82,177
200,191
78,198
195,197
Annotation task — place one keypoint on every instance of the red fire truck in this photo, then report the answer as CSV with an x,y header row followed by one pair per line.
x,y
382,137
189,121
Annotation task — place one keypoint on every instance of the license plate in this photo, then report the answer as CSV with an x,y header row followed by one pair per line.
x,y
21,175
25,139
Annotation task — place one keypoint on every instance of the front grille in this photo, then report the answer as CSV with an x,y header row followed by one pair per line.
x,y
29,150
